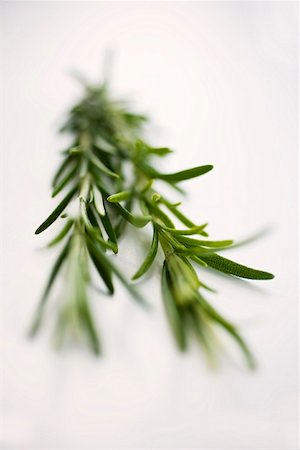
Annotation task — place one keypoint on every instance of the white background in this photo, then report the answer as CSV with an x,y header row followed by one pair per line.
x,y
220,81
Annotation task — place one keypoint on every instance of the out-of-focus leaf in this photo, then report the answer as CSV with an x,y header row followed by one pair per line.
x,y
105,146
173,314
249,239
62,233
202,331
199,261
98,200
61,169
118,273
102,268
64,181
96,161
159,151
86,318
155,197
231,329
55,270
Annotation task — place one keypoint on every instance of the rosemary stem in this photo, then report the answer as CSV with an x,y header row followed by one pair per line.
x,y
109,169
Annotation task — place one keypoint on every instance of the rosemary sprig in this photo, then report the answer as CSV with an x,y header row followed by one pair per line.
x,y
108,173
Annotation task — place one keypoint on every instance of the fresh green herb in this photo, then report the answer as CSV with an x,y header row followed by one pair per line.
x,y
108,174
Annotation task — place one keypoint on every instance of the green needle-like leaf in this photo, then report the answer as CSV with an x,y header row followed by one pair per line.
x,y
137,221
105,146
55,270
109,228
175,177
231,330
159,151
107,261
63,166
149,258
159,214
102,268
98,200
90,328
204,243
119,196
203,331
56,213
172,312
193,230
225,265
102,167
195,251
183,219
62,234
186,174
93,228
199,261
108,163
68,177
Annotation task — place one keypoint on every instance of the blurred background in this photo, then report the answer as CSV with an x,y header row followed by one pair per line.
x,y
220,80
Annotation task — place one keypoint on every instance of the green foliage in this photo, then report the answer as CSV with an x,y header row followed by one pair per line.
x,y
227,266
57,212
119,197
149,258
109,162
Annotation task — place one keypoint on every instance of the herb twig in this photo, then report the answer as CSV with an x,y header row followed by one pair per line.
x,y
108,172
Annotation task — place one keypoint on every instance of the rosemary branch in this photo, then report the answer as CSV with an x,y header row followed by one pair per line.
x,y
108,173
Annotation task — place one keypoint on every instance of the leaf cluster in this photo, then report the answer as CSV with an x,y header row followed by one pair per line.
x,y
108,172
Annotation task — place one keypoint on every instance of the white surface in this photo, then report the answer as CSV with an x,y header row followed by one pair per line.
x,y
220,80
